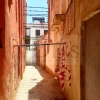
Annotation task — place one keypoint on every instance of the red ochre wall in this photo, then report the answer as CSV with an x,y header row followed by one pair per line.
x,y
11,22
1,49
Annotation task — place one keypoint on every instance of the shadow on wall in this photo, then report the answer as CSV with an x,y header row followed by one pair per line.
x,y
42,52
10,2
47,89
41,56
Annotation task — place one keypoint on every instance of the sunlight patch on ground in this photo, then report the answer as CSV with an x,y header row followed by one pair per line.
x,y
31,78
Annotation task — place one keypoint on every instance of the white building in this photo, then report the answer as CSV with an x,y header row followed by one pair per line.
x,y
33,32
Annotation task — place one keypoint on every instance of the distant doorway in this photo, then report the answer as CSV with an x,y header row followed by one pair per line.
x,y
90,66
31,55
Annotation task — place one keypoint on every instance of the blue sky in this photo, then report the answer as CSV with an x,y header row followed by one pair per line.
x,y
36,3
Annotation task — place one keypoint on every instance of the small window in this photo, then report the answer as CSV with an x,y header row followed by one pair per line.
x,y
45,31
1,38
37,32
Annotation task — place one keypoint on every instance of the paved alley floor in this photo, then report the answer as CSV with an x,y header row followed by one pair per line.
x,y
37,84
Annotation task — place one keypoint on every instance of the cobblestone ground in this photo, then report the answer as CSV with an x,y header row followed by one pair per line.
x,y
37,84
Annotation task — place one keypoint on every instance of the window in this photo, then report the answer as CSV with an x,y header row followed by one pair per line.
x,y
45,31
37,32
0,37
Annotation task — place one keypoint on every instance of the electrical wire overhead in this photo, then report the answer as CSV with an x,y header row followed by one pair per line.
x,y
35,7
35,11
36,14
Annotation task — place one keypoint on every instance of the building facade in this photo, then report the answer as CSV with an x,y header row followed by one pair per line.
x,y
33,32
75,24
12,57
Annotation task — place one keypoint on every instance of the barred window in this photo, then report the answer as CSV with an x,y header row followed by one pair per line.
x,y
37,32
45,31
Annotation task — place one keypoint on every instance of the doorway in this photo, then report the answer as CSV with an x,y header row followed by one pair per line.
x,y
90,66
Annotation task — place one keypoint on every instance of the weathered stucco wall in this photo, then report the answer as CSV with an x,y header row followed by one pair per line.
x,y
92,59
50,62
73,62
42,51
9,66
41,55
87,7
82,11
2,21
74,92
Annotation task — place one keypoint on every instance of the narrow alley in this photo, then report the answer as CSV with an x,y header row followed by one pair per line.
x,y
49,49
37,84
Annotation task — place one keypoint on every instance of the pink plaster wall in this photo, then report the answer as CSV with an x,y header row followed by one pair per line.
x,y
82,11
12,35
